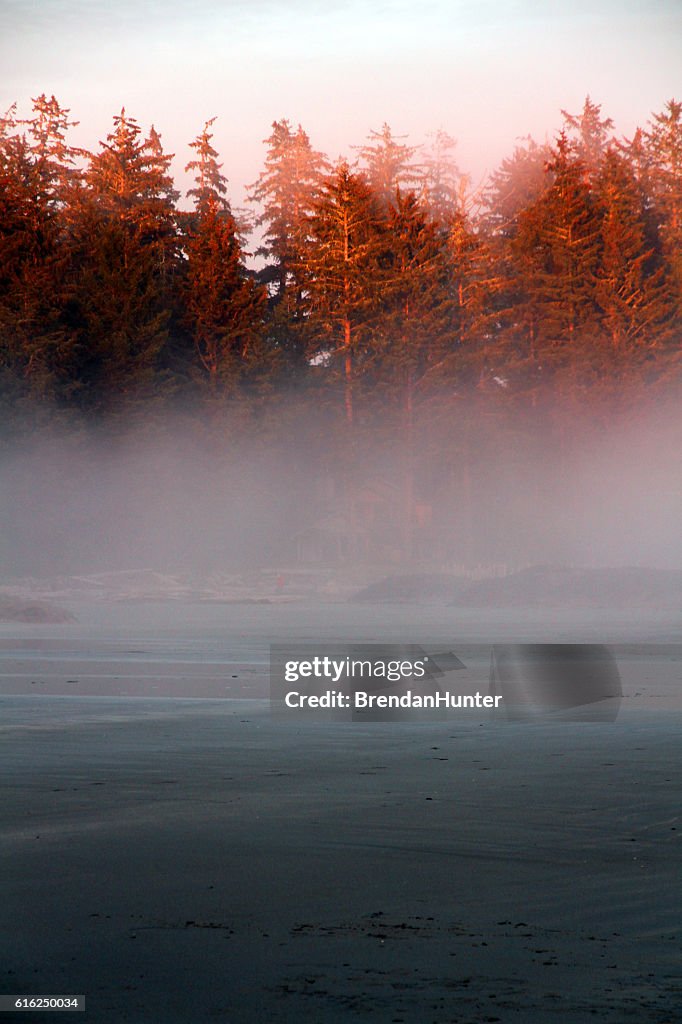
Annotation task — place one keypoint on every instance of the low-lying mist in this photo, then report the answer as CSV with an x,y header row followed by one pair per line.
x,y
164,500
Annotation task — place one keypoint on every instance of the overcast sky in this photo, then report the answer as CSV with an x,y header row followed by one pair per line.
x,y
485,72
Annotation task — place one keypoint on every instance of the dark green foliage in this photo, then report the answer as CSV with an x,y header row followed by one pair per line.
x,y
115,310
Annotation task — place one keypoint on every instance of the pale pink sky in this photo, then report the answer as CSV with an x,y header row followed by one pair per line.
x,y
485,72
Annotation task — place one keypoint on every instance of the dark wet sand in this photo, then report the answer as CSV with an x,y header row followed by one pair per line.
x,y
191,861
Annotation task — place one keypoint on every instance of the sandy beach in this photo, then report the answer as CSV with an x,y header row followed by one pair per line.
x,y
182,860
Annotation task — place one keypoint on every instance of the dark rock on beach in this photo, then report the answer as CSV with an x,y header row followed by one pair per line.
x,y
15,609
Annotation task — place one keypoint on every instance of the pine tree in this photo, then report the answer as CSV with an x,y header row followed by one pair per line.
x,y
210,186
129,179
442,182
388,165
512,304
515,185
472,283
588,135
415,298
664,140
286,190
631,289
223,306
344,274
414,334
118,313
33,342
53,157
557,249
157,215
122,256
664,144
640,163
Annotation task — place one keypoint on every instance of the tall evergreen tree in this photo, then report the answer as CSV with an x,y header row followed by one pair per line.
x,y
33,342
631,290
472,278
158,221
589,136
415,295
388,164
223,306
635,152
129,179
286,191
121,266
344,274
556,248
512,303
442,182
664,144
210,184
414,334
664,140
53,157
519,181
344,285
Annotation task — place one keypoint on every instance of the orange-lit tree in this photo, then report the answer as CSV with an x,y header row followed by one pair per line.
x,y
286,192
223,306
122,252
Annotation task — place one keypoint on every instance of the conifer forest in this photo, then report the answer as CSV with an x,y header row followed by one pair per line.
x,y
382,317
